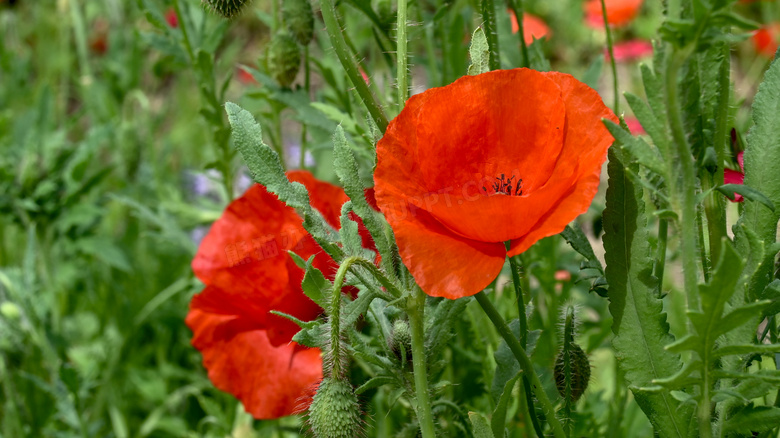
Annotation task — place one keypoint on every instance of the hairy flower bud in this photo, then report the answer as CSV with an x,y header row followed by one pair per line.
x,y
299,19
401,340
226,8
283,58
334,412
572,368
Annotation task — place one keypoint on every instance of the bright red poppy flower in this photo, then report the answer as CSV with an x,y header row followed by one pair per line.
x,y
509,155
766,39
533,27
619,12
734,177
248,351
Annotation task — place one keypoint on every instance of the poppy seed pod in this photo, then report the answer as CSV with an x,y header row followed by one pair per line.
x,y
283,58
226,8
334,412
299,19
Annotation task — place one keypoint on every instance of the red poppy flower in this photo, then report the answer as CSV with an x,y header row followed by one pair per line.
x,y
628,51
765,40
635,126
508,155
533,27
619,12
248,351
244,76
734,177
171,18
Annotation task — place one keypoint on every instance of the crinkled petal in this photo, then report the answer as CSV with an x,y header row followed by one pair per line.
x,y
270,381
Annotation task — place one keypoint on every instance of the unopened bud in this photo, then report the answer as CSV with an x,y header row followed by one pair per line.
x,y
299,18
226,8
578,372
334,411
284,58
401,340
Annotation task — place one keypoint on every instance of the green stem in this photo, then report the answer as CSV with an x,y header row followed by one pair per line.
x,y
524,361
616,106
704,410
350,67
184,32
660,259
489,20
416,311
686,196
515,268
307,87
402,67
334,315
519,11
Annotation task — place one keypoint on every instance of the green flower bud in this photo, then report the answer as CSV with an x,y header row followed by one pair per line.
x,y
299,18
576,374
283,58
334,412
400,341
710,160
226,8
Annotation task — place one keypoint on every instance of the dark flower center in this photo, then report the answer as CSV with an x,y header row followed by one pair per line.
x,y
511,186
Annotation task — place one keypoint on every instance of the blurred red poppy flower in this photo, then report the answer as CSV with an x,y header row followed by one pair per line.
x,y
619,12
765,40
628,51
244,76
248,351
465,168
171,18
734,177
533,27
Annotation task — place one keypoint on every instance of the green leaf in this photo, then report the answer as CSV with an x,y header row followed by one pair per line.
x,y
374,382
762,167
747,349
479,52
746,191
592,75
639,323
314,284
498,420
579,241
753,419
638,148
654,127
480,425
507,366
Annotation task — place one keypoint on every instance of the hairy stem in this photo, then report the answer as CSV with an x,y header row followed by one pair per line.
x,y
524,361
350,66
686,196
416,311
401,55
489,22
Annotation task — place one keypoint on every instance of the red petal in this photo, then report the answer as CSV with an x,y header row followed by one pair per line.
x,y
270,381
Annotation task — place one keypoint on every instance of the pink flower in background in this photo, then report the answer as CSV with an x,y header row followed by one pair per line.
x,y
533,27
171,18
633,50
244,76
734,177
634,126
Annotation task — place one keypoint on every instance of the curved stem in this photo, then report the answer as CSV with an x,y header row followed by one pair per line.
x,y
334,314
616,106
401,55
519,11
416,312
350,67
686,196
524,361
515,268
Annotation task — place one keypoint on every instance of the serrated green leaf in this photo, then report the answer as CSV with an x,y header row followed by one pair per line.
x,y
507,366
746,191
753,419
654,127
638,148
315,285
579,241
742,316
639,323
479,52
747,349
374,382
654,90
480,426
